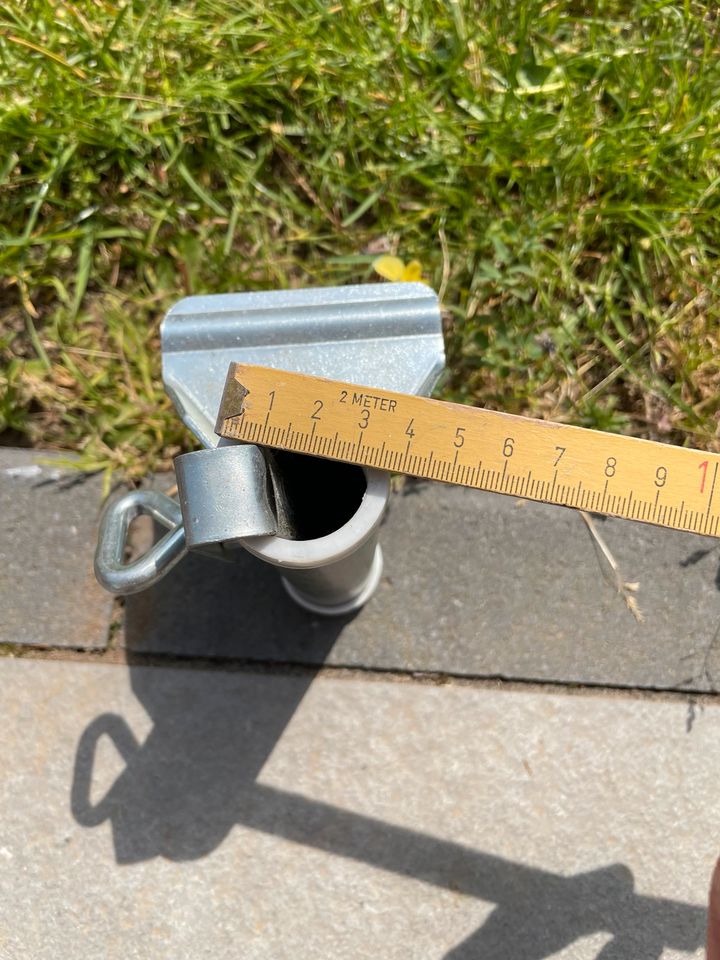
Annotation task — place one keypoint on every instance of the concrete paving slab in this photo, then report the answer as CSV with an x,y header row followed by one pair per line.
x,y
152,813
48,530
475,584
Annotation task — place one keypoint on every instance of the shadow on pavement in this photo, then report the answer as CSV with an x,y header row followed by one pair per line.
x,y
194,778
211,608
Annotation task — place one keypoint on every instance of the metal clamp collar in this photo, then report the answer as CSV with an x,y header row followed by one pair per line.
x,y
225,495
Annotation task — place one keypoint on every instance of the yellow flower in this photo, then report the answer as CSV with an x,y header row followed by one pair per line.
x,y
393,268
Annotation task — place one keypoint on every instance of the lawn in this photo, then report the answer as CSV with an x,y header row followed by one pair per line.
x,y
554,167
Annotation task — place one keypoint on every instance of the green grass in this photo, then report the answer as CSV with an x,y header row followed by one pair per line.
x,y
554,166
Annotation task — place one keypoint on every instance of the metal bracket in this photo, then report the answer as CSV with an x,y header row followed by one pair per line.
x,y
384,335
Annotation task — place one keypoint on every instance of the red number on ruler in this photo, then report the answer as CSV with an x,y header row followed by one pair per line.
x,y
703,466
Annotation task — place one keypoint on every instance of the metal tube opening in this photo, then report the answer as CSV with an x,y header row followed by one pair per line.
x,y
320,495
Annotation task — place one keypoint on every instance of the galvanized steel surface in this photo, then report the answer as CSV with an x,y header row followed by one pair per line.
x,y
110,568
224,494
386,335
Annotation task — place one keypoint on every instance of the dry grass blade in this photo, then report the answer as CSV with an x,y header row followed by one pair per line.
x,y
626,589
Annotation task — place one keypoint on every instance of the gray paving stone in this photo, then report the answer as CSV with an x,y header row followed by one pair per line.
x,y
189,814
48,529
474,584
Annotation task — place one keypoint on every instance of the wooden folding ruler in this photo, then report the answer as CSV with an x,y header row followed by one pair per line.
x,y
535,459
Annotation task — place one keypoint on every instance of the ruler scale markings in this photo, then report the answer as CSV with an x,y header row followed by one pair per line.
x,y
712,488
640,470
604,495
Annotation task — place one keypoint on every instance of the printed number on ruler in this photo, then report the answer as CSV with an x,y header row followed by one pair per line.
x,y
535,459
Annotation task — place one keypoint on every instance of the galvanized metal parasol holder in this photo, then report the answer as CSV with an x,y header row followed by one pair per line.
x,y
316,520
